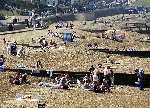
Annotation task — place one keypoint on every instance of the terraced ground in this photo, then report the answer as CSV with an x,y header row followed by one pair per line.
x,y
75,57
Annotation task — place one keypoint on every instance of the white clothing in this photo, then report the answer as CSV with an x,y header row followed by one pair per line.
x,y
106,71
95,77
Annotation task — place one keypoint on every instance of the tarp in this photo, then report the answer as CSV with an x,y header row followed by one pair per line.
x,y
2,68
68,37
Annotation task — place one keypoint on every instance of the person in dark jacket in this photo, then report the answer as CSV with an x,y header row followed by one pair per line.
x,y
2,60
140,76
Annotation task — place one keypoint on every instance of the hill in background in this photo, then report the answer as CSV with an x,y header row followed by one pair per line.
x,y
142,3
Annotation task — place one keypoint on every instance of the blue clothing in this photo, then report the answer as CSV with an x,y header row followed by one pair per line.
x,y
1,62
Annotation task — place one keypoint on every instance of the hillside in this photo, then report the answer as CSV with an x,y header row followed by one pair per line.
x,y
144,3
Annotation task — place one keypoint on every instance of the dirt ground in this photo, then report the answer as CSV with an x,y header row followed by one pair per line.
x,y
75,56
120,97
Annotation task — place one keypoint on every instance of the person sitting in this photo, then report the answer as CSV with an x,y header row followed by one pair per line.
x,y
63,82
10,27
50,33
105,85
16,79
71,25
56,34
39,64
86,79
4,41
19,79
89,45
11,79
67,25
21,52
95,45
2,60
118,38
91,69
24,79
56,80
85,84
43,42
33,41
103,34
52,42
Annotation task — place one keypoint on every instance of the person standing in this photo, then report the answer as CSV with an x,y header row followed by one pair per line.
x,y
2,61
140,76
108,75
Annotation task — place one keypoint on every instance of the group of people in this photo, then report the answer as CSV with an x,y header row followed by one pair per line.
x,y
60,82
52,34
19,79
114,36
44,43
14,50
100,80
61,24
94,45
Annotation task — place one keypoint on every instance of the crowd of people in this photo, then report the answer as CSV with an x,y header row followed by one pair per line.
x,y
114,36
59,82
100,80
60,24
19,79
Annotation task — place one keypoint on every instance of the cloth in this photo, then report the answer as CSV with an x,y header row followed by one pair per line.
x,y
2,68
107,72
95,78
62,81
1,61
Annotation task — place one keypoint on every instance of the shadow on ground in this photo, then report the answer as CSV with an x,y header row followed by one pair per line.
x,y
119,78
141,54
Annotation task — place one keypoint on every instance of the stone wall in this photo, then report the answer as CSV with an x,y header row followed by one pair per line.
x,y
108,12
16,27
85,16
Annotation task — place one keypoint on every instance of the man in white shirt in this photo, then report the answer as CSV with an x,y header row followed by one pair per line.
x,y
108,74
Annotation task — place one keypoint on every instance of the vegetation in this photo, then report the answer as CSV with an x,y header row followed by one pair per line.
x,y
23,5
141,3
8,13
